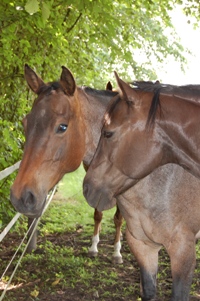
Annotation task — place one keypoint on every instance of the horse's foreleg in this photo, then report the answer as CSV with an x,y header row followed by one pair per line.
x,y
93,250
183,260
118,220
147,258
33,242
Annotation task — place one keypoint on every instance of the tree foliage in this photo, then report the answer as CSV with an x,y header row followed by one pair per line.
x,y
91,37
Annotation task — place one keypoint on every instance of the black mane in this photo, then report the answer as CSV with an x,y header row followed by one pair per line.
x,y
149,86
155,103
186,92
94,92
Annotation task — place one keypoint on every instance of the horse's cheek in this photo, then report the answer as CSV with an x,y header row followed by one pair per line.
x,y
59,154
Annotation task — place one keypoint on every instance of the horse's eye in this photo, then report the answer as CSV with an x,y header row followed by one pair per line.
x,y
61,128
107,134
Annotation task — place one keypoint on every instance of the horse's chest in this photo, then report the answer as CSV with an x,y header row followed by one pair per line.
x,y
140,221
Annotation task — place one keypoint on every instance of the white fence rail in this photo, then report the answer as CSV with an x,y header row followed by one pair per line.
x,y
9,226
6,172
3,174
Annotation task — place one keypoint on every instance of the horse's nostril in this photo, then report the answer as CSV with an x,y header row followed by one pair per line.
x,y
29,200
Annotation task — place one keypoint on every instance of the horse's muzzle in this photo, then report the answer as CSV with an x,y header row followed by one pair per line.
x,y
97,198
27,203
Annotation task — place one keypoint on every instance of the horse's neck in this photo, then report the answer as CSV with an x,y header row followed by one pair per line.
x,y
93,109
183,136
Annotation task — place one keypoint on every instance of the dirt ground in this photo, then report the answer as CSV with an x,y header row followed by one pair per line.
x,y
128,273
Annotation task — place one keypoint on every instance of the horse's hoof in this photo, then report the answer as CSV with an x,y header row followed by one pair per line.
x,y
117,260
92,254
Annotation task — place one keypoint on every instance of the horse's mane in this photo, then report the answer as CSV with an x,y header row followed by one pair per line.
x,y
147,86
168,89
186,92
95,92
155,103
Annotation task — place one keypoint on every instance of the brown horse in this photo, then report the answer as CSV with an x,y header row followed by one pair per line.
x,y
150,129
62,130
163,208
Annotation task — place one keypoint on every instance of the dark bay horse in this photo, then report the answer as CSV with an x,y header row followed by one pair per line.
x,y
62,130
162,209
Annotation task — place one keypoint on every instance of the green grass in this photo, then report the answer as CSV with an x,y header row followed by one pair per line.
x,y
71,185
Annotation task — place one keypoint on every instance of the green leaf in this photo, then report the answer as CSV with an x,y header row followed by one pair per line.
x,y
32,6
45,11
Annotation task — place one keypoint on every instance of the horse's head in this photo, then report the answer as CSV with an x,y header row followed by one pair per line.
x,y
128,149
54,132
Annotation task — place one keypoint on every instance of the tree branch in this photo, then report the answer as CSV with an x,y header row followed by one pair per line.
x,y
70,28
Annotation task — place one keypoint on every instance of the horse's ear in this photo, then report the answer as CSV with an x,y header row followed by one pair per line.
x,y
109,86
128,93
67,81
33,80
